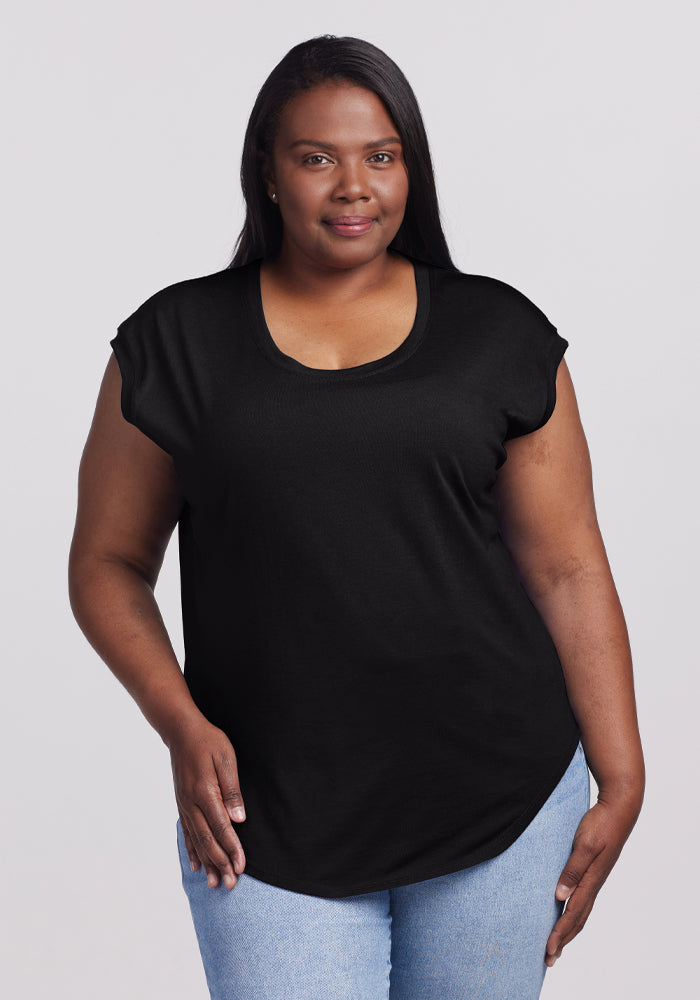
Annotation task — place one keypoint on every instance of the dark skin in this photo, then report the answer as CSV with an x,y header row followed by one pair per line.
x,y
335,301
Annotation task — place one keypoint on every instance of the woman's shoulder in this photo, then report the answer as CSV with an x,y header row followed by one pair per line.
x,y
189,296
479,283
488,294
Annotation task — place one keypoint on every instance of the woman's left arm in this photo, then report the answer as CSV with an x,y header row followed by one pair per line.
x,y
548,522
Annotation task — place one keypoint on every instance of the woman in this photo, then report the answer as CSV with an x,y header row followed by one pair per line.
x,y
403,644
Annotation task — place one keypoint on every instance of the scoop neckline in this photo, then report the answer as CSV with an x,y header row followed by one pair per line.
x,y
401,353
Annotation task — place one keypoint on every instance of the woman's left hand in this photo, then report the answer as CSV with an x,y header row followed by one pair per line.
x,y
597,845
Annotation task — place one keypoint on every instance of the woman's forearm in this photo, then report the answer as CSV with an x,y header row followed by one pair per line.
x,y
584,616
116,610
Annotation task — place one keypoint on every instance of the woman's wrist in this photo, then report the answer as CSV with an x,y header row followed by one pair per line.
x,y
625,788
174,713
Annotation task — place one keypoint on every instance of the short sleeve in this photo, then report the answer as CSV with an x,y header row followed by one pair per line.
x,y
535,349
154,395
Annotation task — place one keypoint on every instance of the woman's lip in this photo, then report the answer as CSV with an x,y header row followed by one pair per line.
x,y
349,220
355,228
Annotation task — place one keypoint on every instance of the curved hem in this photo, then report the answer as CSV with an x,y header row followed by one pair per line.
x,y
554,359
124,363
495,847
124,359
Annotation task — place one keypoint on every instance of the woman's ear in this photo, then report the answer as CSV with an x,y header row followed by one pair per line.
x,y
267,174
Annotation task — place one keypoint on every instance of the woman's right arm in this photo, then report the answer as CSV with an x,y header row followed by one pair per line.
x,y
129,501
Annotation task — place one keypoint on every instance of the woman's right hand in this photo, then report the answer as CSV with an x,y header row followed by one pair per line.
x,y
208,796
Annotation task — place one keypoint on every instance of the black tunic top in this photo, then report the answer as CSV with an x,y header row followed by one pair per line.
x,y
352,619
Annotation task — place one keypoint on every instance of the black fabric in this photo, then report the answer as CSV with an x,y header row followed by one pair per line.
x,y
352,618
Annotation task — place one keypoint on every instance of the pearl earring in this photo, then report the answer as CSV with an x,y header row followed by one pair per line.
x,y
274,196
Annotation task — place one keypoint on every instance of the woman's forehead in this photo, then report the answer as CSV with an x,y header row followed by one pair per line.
x,y
335,112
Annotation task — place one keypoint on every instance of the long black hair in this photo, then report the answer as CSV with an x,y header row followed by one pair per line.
x,y
316,61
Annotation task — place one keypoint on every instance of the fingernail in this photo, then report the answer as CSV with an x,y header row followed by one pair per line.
x,y
239,813
193,866
211,879
564,888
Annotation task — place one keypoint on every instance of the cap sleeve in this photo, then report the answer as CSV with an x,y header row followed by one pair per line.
x,y
154,382
536,349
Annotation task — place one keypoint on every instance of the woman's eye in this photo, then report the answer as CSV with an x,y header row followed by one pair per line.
x,y
319,157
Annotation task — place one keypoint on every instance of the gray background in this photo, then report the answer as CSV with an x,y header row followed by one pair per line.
x,y
566,152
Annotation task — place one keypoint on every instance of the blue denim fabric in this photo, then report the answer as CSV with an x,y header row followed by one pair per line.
x,y
479,933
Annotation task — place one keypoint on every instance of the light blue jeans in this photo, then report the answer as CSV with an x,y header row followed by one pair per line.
x,y
479,933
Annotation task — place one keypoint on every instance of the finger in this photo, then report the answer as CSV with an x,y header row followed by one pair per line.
x,y
195,863
232,845
582,856
214,877
227,841
215,842
580,880
218,850
227,774
201,840
549,960
571,922
578,917
554,950
218,869
229,790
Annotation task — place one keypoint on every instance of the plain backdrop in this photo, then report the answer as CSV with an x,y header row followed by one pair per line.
x,y
565,145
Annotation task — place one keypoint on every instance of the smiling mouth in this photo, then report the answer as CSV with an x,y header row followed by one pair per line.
x,y
350,225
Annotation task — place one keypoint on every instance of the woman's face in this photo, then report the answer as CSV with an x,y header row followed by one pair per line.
x,y
337,160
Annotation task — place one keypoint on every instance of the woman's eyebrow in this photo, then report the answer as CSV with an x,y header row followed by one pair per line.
x,y
329,145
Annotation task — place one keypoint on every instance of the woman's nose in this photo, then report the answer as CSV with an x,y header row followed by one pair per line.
x,y
352,182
